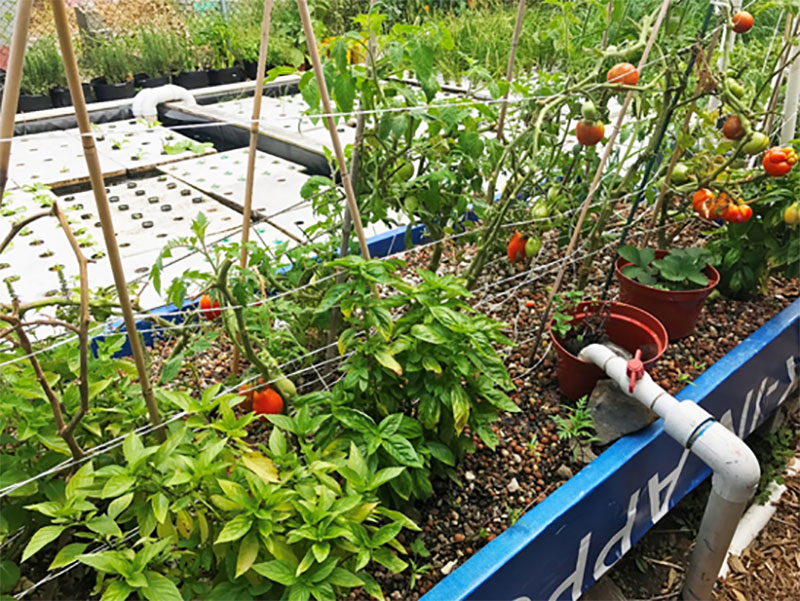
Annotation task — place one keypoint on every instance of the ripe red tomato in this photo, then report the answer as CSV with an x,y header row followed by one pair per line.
x,y
516,248
590,133
623,74
745,213
742,21
209,310
733,128
779,161
267,402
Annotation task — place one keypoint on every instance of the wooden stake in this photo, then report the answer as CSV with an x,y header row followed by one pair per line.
x,y
258,95
576,233
8,110
103,210
510,68
305,17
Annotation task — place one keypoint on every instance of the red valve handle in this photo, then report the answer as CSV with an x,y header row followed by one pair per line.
x,y
635,370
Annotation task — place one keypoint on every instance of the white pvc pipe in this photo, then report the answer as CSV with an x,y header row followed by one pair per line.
x,y
145,103
790,106
736,469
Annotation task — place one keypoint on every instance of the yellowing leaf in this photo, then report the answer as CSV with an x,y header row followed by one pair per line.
x,y
185,523
389,362
248,552
261,466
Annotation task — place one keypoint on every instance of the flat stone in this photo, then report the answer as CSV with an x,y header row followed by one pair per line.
x,y
513,486
564,472
615,413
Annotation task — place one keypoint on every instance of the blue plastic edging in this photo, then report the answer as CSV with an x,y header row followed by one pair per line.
x,y
559,548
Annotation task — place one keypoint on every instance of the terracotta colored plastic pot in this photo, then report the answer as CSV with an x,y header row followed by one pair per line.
x,y
678,310
627,327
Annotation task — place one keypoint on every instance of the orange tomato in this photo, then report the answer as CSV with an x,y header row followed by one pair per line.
x,y
209,310
779,161
742,21
623,74
516,248
590,133
267,402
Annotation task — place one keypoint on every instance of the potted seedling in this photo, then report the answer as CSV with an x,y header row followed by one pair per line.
x,y
671,285
192,63
114,62
213,31
158,57
575,325
40,72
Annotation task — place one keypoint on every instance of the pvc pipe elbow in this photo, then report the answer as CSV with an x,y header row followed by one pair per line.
x,y
145,103
736,468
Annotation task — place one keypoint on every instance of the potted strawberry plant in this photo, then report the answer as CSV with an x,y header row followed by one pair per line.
x,y
575,326
672,285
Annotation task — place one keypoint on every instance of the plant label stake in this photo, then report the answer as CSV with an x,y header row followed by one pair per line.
x,y
302,6
103,210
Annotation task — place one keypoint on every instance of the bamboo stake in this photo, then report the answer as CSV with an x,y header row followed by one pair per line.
x,y
8,110
258,95
305,17
103,210
347,221
596,181
512,56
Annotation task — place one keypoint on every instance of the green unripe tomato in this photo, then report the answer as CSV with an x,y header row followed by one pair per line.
x,y
410,204
552,193
540,211
533,246
680,174
735,87
757,143
405,172
589,111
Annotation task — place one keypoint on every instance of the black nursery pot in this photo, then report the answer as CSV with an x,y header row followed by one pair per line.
x,y
191,80
228,75
143,80
62,97
112,91
33,102
251,69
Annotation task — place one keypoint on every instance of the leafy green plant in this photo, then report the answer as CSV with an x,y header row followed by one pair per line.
x,y
42,68
563,304
411,390
212,31
681,269
112,58
578,427
159,51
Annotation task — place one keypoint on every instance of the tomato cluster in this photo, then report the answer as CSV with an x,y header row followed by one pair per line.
x,y
710,206
210,311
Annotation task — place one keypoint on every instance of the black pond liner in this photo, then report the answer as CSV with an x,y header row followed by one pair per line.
x,y
29,103
61,96
191,80
228,75
112,91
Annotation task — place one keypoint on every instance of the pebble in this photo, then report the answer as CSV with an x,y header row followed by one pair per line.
x,y
469,476
449,567
516,458
564,472
513,486
458,537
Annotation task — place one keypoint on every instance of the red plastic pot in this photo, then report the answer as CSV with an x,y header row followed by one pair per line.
x,y
628,327
678,310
